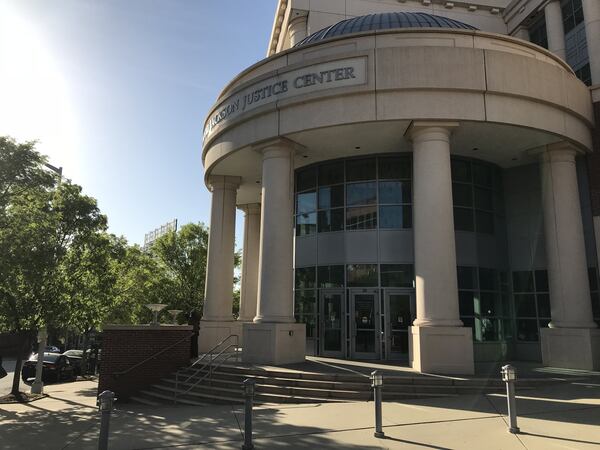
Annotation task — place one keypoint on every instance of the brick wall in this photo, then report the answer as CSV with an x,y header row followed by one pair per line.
x,y
124,346
593,160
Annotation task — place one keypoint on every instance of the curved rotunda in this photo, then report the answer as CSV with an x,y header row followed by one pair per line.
x,y
414,189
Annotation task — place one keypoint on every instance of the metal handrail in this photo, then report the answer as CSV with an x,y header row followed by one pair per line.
x,y
209,363
135,366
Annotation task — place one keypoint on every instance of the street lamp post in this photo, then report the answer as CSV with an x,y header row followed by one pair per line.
x,y
377,385
38,385
509,376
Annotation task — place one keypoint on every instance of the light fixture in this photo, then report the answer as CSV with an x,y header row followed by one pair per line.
x,y
509,373
174,313
155,308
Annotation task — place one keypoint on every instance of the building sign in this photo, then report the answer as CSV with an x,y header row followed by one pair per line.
x,y
334,74
152,236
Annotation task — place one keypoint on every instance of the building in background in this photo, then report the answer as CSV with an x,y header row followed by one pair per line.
x,y
419,184
153,235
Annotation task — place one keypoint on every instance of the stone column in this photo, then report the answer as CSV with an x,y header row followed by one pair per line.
x,y
250,256
438,341
591,14
217,319
297,26
555,29
274,337
572,326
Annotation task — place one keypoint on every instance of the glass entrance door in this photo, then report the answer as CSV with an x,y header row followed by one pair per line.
x,y
399,316
365,324
333,318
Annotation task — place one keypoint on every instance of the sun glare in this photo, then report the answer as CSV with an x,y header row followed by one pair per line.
x,y
34,97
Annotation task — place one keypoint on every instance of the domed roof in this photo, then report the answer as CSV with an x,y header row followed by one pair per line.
x,y
384,21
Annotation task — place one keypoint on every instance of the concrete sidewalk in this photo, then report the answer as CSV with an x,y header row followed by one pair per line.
x,y
557,417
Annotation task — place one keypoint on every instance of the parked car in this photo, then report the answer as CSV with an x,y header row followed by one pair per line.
x,y
52,349
75,358
56,367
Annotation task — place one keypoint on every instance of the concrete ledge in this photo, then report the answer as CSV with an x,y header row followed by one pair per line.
x,y
166,327
571,348
211,333
441,350
274,343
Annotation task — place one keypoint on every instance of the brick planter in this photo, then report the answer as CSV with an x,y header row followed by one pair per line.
x,y
125,346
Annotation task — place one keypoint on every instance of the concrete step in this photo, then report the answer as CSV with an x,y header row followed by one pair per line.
x,y
235,395
265,387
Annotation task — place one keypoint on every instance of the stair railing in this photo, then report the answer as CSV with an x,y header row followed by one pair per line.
x,y
213,354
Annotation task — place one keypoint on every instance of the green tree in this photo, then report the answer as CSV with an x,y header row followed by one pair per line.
x,y
183,256
46,229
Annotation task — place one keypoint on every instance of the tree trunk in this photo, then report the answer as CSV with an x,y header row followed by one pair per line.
x,y
25,342
84,359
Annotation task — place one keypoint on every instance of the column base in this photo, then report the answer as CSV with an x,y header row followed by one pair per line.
x,y
211,333
441,350
274,343
571,348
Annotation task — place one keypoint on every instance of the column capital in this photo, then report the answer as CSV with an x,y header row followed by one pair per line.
x,y
224,182
250,208
278,148
558,152
430,130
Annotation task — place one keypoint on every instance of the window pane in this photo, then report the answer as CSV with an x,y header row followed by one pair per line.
x,y
306,202
397,275
395,217
488,279
490,304
305,278
487,330
463,219
522,281
394,192
362,275
461,170
306,179
360,169
331,197
305,302
465,303
484,222
331,276
483,175
483,199
461,195
596,304
306,224
361,218
361,194
395,168
543,305
541,281
593,279
525,305
527,330
331,173
331,220
466,277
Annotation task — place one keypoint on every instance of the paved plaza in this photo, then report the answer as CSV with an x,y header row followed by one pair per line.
x,y
565,416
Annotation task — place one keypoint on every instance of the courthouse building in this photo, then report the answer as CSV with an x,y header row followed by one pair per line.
x,y
419,184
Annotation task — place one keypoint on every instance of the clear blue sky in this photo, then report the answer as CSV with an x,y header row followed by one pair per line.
x,y
117,91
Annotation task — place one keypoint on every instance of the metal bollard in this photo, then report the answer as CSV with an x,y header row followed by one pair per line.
x,y
248,387
377,385
105,403
509,376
